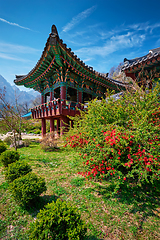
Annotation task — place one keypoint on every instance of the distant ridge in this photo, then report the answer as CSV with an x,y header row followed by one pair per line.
x,y
12,91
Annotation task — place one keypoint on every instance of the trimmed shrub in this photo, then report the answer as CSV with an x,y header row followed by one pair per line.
x,y
2,147
16,170
8,157
27,188
59,221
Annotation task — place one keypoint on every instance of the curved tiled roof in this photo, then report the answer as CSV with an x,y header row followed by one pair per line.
x,y
153,53
50,51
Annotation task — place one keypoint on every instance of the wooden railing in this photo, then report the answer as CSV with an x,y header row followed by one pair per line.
x,y
56,108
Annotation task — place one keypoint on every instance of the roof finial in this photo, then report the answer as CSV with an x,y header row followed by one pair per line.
x,y
54,30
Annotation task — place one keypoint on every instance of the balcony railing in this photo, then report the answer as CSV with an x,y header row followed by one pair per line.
x,y
56,108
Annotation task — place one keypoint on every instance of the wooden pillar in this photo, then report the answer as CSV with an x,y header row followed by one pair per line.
x,y
80,97
64,124
42,99
51,125
63,92
58,126
43,127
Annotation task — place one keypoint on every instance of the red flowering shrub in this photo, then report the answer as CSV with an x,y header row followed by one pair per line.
x,y
76,141
120,140
121,158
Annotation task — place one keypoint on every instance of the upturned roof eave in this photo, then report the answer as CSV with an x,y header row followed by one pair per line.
x,y
129,63
52,39
23,77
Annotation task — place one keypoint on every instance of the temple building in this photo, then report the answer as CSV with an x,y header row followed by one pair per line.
x,y
64,82
144,70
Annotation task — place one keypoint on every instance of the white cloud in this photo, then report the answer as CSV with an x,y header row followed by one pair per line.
x,y
77,19
100,42
112,45
11,57
14,24
87,59
14,52
14,48
144,26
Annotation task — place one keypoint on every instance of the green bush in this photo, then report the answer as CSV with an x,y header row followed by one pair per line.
x,y
8,157
2,147
37,131
119,141
27,188
59,221
16,170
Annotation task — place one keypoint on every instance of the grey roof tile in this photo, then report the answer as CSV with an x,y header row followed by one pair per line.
x,y
132,62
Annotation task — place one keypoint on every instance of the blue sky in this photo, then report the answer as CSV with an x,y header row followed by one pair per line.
x,y
101,33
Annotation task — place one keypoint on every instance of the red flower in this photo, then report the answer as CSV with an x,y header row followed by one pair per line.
x,y
148,163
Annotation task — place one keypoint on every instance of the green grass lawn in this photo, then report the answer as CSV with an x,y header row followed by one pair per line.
x,y
131,214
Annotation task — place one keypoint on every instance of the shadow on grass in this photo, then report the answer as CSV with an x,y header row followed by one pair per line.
x,y
39,203
52,150
144,199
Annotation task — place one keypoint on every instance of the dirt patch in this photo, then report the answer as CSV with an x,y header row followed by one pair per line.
x,y
24,136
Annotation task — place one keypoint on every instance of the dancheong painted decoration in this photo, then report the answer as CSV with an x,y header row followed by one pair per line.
x,y
144,70
64,82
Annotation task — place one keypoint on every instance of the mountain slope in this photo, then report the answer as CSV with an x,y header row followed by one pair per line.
x,y
13,92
